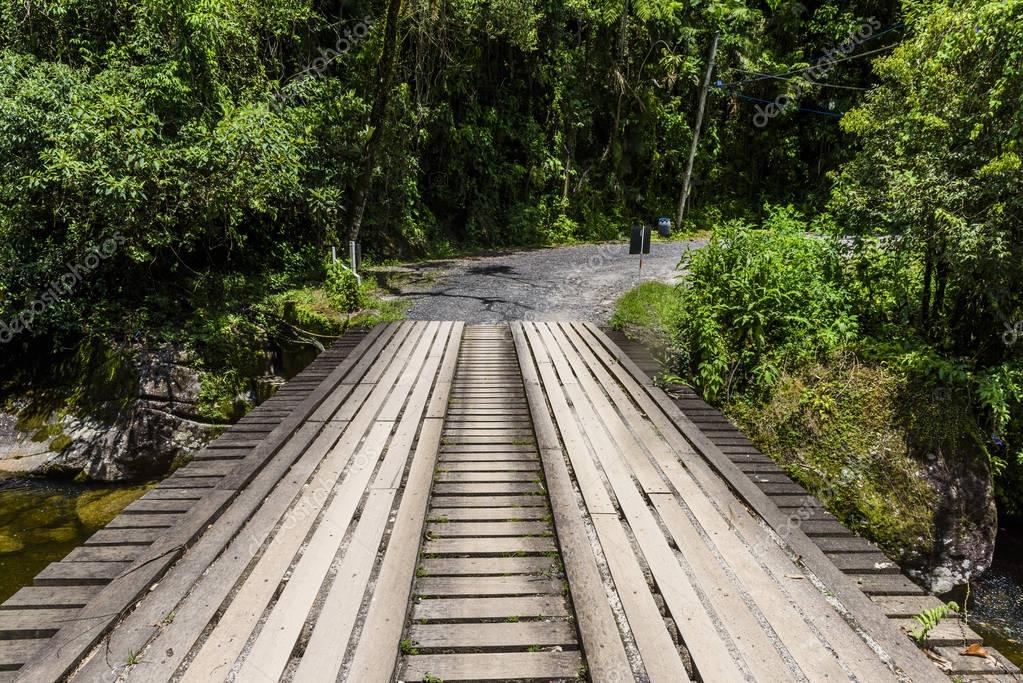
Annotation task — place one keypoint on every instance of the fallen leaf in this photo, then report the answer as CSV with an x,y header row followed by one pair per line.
x,y
974,650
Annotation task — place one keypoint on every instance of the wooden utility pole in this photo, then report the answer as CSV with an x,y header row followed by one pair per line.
x,y
684,194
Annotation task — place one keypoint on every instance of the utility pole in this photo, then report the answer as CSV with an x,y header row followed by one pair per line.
x,y
684,194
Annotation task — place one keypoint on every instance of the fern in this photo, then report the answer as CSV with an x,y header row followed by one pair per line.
x,y
930,618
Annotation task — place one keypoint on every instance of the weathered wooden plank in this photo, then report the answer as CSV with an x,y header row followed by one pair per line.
x,y
256,477
36,597
123,537
522,607
484,566
323,657
906,605
519,584
491,466
148,506
487,489
104,553
497,666
489,545
146,521
80,573
446,477
886,584
867,614
455,529
374,656
492,636
660,658
949,631
14,653
864,563
272,647
724,520
710,652
487,514
495,501
33,623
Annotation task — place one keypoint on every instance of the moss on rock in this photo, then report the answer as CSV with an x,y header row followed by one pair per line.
x,y
882,457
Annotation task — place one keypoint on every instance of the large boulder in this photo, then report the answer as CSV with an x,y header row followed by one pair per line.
x,y
899,463
142,437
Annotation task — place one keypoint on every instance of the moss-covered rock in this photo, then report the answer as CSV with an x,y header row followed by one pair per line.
x,y
895,465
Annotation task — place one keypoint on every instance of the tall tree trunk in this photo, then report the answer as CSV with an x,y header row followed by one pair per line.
x,y
925,295
377,118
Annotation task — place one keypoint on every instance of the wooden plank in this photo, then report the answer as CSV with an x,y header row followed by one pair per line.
x,y
743,563
710,652
721,517
457,501
485,566
470,529
146,506
337,620
80,573
490,466
257,477
487,514
149,521
949,631
886,584
34,623
492,636
524,607
36,597
906,605
660,658
446,477
103,553
465,586
273,646
867,615
864,563
488,546
123,537
494,666
373,659
14,653
487,489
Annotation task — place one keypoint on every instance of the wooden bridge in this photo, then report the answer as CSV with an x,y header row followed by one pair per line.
x,y
441,502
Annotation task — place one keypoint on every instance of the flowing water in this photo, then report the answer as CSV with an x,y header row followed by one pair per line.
x,y
41,521
996,598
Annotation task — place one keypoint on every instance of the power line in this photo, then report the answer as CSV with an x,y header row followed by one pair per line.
x,y
763,76
761,100
808,68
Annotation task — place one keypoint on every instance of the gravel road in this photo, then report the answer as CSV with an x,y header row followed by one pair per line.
x,y
562,283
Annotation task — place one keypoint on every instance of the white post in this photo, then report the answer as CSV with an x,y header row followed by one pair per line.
x,y
351,250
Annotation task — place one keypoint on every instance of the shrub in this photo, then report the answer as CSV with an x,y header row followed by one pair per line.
x,y
755,301
342,287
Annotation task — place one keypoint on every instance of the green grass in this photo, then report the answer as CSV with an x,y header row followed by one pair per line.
x,y
646,309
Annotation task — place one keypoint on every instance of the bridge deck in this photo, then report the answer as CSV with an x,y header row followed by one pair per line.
x,y
510,502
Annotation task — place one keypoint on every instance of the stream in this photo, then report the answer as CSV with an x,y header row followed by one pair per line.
x,y
995,604
41,521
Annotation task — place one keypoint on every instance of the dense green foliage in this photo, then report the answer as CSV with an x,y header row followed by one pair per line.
x,y
217,143
756,301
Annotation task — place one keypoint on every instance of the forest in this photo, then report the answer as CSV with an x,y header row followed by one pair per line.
x,y
178,172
